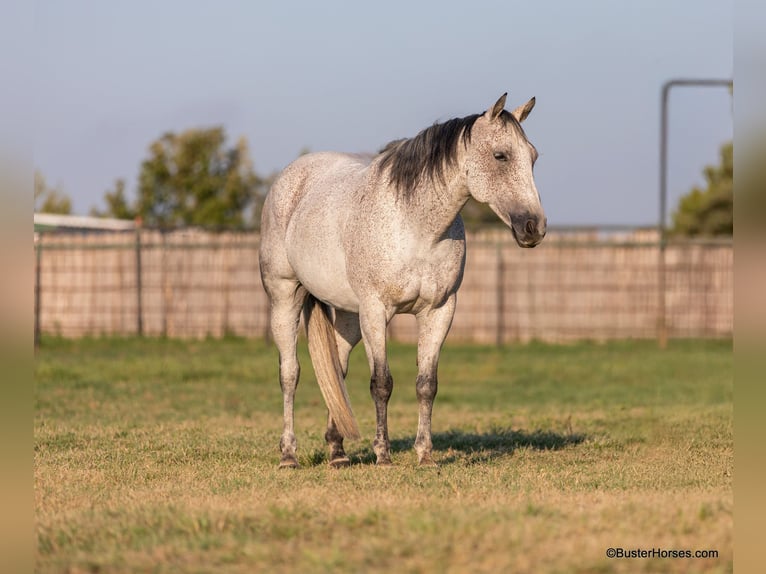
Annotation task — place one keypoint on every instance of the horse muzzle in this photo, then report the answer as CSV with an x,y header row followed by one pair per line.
x,y
528,229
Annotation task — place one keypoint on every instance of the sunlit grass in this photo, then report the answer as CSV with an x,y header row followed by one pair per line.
x,y
161,455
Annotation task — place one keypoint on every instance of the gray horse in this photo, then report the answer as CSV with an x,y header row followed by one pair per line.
x,y
352,240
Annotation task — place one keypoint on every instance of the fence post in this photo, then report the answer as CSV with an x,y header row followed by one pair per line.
x,y
662,322
139,287
500,297
226,246
662,325
38,288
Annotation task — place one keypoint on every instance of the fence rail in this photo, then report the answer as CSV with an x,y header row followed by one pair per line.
x,y
578,284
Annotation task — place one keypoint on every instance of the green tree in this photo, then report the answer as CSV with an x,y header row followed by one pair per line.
x,y
709,211
191,178
117,204
50,199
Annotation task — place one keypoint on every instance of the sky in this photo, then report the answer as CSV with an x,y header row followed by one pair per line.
x,y
111,77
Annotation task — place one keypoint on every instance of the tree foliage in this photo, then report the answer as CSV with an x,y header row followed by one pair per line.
x,y
117,204
50,199
191,178
709,211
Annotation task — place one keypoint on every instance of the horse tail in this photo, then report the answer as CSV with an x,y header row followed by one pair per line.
x,y
324,356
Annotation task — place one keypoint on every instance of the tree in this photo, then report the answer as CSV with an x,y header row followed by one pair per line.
x,y
117,204
192,179
709,211
49,199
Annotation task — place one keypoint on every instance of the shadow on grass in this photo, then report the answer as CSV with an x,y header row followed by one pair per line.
x,y
471,448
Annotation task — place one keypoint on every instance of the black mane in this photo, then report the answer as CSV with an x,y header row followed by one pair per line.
x,y
427,154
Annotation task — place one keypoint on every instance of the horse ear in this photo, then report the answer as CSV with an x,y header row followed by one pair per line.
x,y
498,108
522,112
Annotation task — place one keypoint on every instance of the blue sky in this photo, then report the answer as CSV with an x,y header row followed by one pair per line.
x,y
112,77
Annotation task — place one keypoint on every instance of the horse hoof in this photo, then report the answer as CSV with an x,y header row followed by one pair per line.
x,y
288,463
340,462
428,463
384,462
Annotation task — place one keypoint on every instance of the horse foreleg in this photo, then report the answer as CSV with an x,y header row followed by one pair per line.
x,y
373,321
347,335
285,316
433,325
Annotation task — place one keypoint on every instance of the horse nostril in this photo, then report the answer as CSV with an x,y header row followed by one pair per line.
x,y
531,227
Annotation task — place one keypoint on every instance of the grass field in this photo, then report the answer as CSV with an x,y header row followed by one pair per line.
x,y
161,456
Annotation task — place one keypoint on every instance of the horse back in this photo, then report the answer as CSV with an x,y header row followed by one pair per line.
x,y
322,173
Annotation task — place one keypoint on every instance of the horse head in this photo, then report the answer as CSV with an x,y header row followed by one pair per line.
x,y
499,162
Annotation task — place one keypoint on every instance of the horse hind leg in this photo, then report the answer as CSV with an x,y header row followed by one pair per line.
x,y
347,335
287,302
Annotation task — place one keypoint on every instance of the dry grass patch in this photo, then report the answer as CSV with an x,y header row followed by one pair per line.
x,y
160,456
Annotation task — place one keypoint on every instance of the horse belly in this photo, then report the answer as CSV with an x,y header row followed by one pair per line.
x,y
318,260
327,281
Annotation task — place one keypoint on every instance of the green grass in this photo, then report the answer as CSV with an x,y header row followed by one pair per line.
x,y
161,456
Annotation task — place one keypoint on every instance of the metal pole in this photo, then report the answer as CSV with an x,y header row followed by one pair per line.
x,y
662,328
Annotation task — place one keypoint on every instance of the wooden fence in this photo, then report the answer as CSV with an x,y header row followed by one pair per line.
x,y
575,285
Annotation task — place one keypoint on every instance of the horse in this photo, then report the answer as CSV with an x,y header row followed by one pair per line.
x,y
351,240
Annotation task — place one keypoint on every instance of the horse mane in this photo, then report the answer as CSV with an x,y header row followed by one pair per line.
x,y
428,154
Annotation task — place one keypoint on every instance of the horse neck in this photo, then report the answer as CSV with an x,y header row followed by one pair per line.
x,y
436,204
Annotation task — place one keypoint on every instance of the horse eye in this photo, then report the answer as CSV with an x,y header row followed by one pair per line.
x,y
500,156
